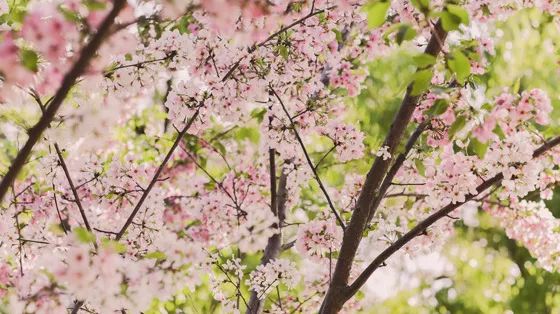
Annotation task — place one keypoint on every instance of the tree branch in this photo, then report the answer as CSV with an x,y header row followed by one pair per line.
x,y
309,162
422,226
68,81
334,301
274,245
157,174
395,169
271,37
72,187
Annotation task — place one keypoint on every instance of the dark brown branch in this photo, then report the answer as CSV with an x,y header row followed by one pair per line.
x,y
72,187
77,306
32,241
168,89
62,221
68,81
157,174
289,245
274,245
334,299
139,65
422,226
395,169
405,194
20,244
324,156
212,178
310,163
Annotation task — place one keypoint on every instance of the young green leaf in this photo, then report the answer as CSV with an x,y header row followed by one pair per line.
x,y
376,13
477,148
439,107
83,235
457,126
459,12
424,60
460,65
421,82
405,32
420,167
30,59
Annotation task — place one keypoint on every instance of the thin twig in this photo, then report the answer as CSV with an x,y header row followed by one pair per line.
x,y
273,248
309,162
155,178
271,37
71,183
62,224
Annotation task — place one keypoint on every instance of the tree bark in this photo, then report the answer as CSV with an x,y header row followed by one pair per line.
x,y
337,294
274,245
430,220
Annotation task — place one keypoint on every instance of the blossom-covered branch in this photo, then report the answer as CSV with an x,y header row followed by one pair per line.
x,y
371,187
421,227
35,133
157,174
274,245
308,159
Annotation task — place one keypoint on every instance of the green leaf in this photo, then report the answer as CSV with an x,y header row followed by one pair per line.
x,y
70,15
156,255
421,82
449,21
422,5
516,86
220,147
439,107
459,12
251,134
452,17
420,167
95,5
30,59
478,148
283,51
183,24
258,113
457,126
498,131
83,235
460,65
424,60
405,32
487,107
376,13
114,245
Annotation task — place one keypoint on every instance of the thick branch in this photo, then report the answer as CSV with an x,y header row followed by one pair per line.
x,y
68,81
334,301
309,162
157,174
422,226
395,169
274,245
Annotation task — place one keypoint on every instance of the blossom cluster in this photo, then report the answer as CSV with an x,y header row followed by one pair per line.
x,y
211,93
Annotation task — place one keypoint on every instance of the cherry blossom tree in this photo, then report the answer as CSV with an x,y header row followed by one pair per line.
x,y
153,145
